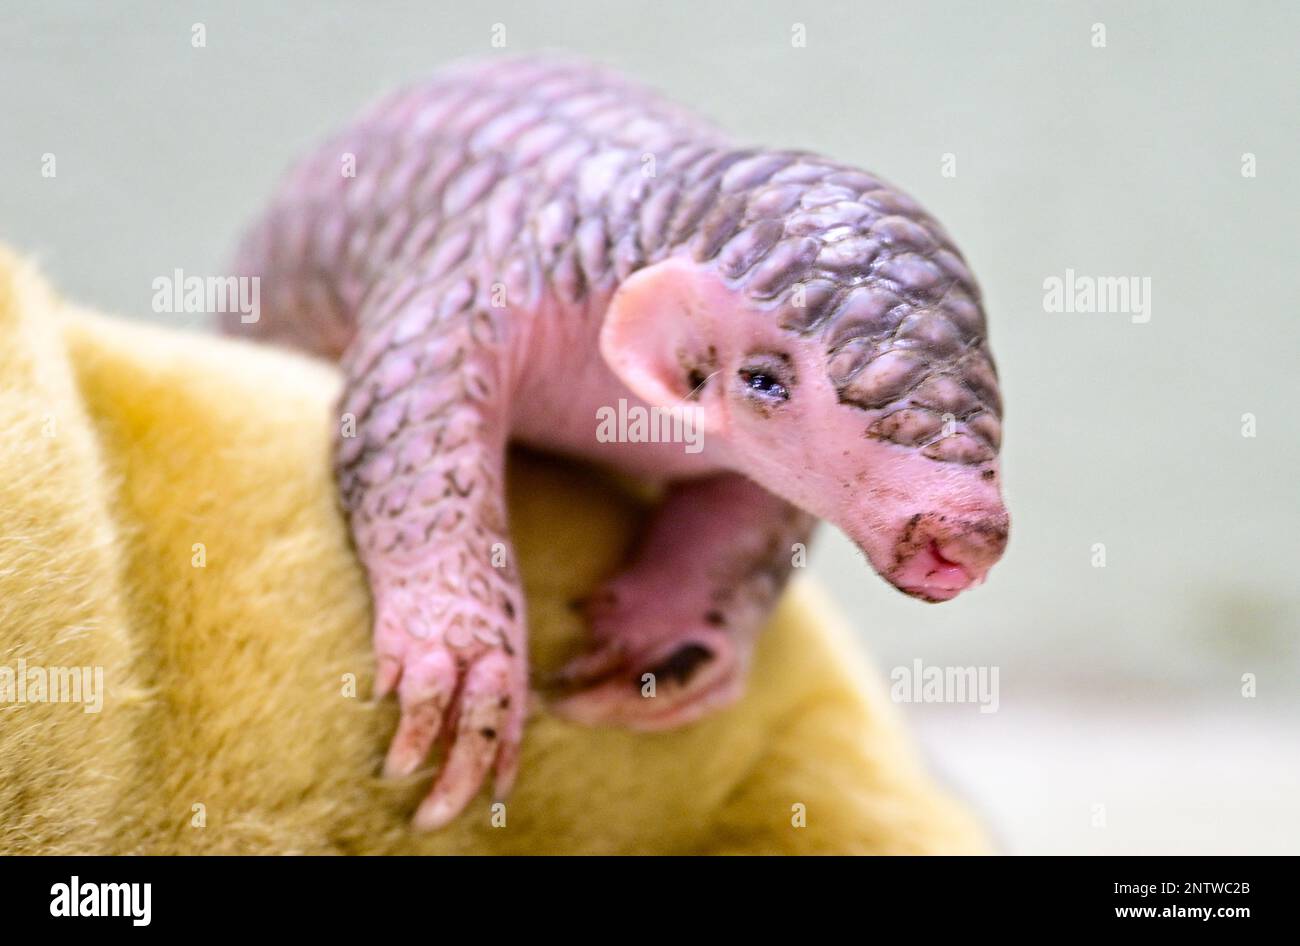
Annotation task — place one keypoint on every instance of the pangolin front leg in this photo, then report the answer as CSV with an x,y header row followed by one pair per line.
x,y
673,634
422,478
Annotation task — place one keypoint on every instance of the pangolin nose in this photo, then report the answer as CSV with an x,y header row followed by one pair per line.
x,y
974,544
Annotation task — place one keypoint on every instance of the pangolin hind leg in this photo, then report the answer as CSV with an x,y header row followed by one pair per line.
x,y
688,609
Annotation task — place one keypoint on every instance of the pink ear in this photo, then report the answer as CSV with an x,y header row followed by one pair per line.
x,y
654,326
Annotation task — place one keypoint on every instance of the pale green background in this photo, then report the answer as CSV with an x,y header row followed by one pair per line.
x,y
1120,685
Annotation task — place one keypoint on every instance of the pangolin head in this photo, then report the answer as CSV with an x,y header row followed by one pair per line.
x,y
847,333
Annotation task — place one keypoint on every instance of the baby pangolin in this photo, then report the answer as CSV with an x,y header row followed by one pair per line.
x,y
501,252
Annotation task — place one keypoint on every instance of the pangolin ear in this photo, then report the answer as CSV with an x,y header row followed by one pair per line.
x,y
657,333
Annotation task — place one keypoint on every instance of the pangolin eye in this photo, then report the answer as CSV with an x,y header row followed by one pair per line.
x,y
765,384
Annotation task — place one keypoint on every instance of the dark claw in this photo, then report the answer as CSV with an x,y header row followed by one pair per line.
x,y
683,663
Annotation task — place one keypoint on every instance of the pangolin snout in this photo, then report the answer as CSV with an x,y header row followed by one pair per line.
x,y
938,556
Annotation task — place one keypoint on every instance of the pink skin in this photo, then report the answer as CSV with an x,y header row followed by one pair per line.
x,y
737,282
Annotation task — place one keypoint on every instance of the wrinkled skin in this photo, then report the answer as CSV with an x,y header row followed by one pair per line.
x,y
525,243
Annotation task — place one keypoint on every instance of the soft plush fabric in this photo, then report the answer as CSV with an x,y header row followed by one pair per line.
x,y
167,515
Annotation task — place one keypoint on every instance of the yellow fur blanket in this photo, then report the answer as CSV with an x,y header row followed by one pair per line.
x,y
168,520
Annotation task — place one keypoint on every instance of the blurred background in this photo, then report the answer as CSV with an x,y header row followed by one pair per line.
x,y
1144,621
